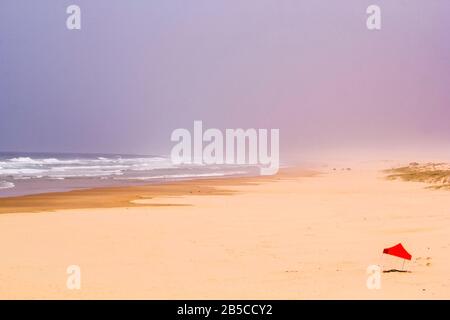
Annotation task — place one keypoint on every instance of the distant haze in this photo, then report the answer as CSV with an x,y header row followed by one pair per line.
x,y
139,69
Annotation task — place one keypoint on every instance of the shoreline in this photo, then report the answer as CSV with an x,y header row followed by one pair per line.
x,y
125,196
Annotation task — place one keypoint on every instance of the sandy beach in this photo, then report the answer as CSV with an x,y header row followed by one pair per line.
x,y
299,235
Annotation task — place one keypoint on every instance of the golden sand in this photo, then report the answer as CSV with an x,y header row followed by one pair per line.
x,y
293,236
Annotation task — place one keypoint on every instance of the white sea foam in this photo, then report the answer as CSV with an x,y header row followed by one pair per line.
x,y
59,171
183,176
22,167
78,168
6,185
24,171
46,161
24,160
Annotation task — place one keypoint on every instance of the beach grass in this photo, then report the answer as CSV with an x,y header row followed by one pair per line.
x,y
437,175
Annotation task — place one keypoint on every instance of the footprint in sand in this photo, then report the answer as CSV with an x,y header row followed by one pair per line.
x,y
427,261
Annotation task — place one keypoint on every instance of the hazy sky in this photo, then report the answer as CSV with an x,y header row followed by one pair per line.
x,y
139,69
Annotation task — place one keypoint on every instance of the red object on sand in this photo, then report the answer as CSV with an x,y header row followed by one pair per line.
x,y
398,251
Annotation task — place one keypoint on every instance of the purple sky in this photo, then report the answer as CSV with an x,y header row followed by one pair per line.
x,y
139,69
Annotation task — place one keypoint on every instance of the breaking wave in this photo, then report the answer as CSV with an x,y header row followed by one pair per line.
x,y
30,173
6,185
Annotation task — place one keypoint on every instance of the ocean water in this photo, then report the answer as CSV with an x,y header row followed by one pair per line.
x,y
31,173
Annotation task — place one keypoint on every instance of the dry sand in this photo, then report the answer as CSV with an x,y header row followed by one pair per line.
x,y
295,236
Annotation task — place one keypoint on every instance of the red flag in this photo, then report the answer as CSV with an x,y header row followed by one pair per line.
x,y
398,251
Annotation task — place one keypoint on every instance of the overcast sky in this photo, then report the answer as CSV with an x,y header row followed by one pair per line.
x,y
139,69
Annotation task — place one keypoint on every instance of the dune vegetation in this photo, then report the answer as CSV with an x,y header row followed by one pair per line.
x,y
437,175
